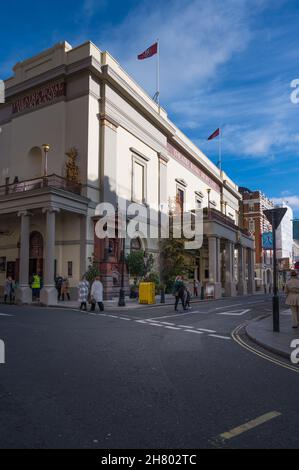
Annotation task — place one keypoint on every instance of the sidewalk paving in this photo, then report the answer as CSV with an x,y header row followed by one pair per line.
x,y
261,332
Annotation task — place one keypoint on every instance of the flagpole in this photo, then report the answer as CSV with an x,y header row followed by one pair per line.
x,y
220,149
158,73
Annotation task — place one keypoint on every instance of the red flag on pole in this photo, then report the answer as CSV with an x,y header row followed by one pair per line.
x,y
214,135
153,50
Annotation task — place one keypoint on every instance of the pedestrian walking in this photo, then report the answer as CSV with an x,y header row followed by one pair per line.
x,y
65,289
83,291
179,292
58,285
8,290
292,291
96,295
187,298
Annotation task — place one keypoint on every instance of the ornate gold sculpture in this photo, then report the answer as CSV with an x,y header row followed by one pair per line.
x,y
72,169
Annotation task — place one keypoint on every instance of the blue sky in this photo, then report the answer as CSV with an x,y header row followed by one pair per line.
x,y
228,63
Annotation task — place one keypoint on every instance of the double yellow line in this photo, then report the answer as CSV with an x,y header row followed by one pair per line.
x,y
236,337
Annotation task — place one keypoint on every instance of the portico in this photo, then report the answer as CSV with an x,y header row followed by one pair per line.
x,y
48,205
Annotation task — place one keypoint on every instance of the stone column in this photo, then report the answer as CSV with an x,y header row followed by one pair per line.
x,y
48,295
214,265
242,285
251,271
24,293
230,286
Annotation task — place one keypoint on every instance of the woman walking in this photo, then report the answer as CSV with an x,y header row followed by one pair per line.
x,y
96,295
83,289
65,289
292,291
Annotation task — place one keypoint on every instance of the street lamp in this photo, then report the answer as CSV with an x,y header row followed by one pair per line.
x,y
122,296
275,217
209,195
46,149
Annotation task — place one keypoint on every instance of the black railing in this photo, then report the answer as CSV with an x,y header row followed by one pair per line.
x,y
214,214
52,181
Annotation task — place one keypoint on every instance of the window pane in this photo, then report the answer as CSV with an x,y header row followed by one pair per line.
x,y
138,182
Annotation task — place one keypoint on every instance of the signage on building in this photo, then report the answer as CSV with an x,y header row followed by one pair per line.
x,y
178,156
40,96
267,241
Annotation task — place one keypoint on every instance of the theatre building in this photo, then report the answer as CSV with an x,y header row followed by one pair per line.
x,y
76,130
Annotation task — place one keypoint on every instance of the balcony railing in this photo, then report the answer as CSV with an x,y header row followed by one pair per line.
x,y
215,215
52,181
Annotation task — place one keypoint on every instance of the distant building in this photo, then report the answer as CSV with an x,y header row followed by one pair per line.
x,y
296,229
284,241
251,212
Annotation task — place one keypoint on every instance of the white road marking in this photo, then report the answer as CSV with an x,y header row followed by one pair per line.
x,y
235,314
112,316
194,331
186,326
123,318
174,316
250,425
206,331
171,328
5,315
156,324
228,306
220,337
168,324
141,321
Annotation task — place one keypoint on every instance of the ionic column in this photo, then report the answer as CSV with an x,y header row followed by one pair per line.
x,y
24,293
251,271
242,285
48,295
230,286
214,265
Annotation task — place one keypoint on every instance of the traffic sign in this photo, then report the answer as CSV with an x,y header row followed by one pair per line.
x,y
275,216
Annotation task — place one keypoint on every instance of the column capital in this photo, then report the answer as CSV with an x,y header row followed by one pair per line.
x,y
24,213
50,210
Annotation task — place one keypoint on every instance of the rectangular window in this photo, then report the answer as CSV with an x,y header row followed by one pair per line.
x,y
180,199
70,269
139,182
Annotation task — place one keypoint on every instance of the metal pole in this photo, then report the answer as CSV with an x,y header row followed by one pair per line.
x,y
276,325
220,149
158,73
122,297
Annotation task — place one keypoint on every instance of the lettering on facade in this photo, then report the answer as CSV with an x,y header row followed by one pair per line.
x,y
43,95
178,156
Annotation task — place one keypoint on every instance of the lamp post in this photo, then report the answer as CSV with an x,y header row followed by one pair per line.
x,y
122,296
275,217
46,149
209,201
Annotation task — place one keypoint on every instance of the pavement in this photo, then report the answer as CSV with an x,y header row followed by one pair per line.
x,y
261,332
145,378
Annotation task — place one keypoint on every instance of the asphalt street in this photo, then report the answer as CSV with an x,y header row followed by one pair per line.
x,y
145,378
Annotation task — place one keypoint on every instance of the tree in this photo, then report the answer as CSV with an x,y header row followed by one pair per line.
x,y
138,265
93,269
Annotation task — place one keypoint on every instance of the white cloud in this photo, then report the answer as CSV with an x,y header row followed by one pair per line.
x,y
196,38
292,201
